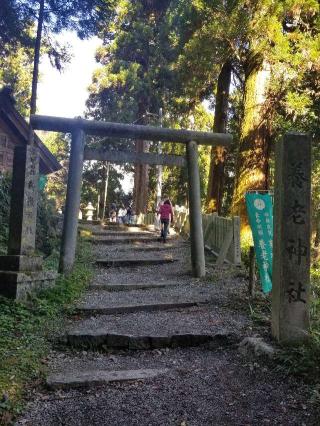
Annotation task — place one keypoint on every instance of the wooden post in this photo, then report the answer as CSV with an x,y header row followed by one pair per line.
x,y
195,214
291,254
70,222
252,272
236,238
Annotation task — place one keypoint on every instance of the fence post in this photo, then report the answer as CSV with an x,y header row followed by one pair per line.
x,y
236,240
195,215
252,272
70,222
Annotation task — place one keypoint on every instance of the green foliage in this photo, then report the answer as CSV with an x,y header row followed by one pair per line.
x,y
47,225
59,145
27,330
16,71
18,22
303,360
94,178
138,76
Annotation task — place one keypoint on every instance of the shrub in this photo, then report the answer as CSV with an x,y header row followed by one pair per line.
x,y
47,223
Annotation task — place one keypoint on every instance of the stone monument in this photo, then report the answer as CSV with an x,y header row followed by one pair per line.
x,y
21,270
291,256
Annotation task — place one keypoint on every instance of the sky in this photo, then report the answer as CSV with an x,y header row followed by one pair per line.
x,y
64,94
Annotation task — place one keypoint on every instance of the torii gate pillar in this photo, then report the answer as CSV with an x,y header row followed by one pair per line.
x,y
195,216
70,222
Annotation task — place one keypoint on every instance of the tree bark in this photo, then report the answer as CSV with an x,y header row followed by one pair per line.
x,y
141,181
141,171
106,170
36,59
253,157
218,154
37,47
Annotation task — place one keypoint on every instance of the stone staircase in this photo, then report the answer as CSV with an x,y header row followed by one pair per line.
x,y
161,310
150,346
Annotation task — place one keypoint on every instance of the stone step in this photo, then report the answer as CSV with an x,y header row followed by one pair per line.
x,y
190,326
156,248
101,309
134,262
134,286
122,234
89,222
101,338
127,225
105,302
69,379
122,240
110,240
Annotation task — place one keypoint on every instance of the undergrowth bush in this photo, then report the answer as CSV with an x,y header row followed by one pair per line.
x,y
300,360
47,225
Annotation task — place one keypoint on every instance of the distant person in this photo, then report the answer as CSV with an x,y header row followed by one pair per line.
x,y
166,213
122,214
129,214
170,221
113,213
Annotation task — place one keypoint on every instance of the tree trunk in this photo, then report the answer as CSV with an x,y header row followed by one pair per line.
x,y
218,154
141,171
106,170
36,59
254,150
141,181
37,47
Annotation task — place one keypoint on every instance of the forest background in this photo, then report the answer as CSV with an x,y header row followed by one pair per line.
x,y
247,67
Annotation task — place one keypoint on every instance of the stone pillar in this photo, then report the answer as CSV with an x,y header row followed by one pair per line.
x,y
24,197
21,271
195,214
291,255
70,222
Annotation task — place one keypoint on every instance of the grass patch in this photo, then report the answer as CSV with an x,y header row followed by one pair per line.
x,y
26,329
303,360
298,360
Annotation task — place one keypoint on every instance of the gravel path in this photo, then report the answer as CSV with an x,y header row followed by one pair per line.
x,y
204,319
185,292
204,386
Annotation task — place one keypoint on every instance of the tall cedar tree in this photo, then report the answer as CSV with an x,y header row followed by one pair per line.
x,y
131,82
218,154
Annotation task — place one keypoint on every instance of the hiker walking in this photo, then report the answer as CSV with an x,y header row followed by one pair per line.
x,y
166,214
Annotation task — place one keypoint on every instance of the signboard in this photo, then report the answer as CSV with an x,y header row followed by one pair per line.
x,y
260,213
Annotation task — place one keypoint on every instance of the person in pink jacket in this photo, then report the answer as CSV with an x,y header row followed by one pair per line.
x,y
165,214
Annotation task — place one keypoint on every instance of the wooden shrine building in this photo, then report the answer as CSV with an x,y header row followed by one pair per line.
x,y
14,131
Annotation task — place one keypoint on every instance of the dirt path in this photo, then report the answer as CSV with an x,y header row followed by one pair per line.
x,y
152,346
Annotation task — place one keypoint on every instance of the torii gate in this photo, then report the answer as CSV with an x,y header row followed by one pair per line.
x,y
79,128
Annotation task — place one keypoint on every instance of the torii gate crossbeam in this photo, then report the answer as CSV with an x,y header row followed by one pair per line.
x,y
79,127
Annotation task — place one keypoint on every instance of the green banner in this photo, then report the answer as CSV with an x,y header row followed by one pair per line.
x,y
42,182
260,212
